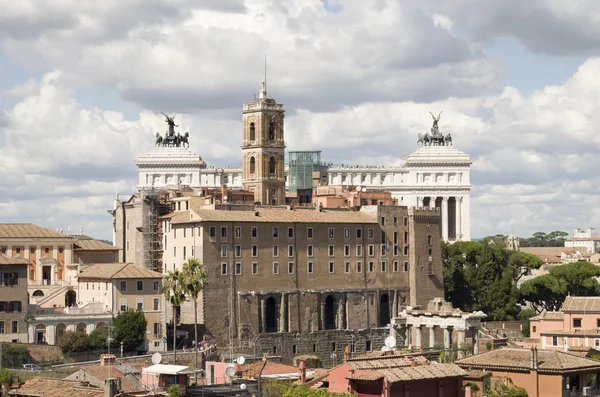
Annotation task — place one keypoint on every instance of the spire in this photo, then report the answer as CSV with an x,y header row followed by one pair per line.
x,y
263,91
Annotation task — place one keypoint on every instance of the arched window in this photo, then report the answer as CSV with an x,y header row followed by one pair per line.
x,y
271,131
252,165
271,315
60,330
330,317
272,164
252,132
81,328
384,310
38,293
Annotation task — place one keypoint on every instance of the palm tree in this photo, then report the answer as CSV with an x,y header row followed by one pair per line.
x,y
194,276
175,295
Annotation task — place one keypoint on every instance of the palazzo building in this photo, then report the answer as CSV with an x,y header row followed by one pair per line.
x,y
295,280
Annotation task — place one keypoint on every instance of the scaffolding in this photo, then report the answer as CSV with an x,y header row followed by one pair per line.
x,y
155,203
301,168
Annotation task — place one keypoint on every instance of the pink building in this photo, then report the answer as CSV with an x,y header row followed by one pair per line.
x,y
160,376
577,324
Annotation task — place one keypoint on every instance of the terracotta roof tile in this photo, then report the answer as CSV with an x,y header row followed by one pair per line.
x,y
117,271
376,360
549,316
6,260
101,372
90,244
582,351
273,215
581,304
267,368
58,388
28,230
516,359
422,372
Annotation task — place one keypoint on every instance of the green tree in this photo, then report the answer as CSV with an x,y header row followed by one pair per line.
x,y
98,338
296,390
525,315
549,291
194,279
72,342
130,328
501,389
174,391
5,381
483,276
173,288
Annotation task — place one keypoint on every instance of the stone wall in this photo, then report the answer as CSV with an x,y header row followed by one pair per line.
x,y
328,345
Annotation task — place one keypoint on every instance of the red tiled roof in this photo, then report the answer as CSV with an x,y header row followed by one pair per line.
x,y
101,372
581,304
46,387
549,316
517,359
265,368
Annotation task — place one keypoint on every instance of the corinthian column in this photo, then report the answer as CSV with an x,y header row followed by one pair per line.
x,y
445,218
459,232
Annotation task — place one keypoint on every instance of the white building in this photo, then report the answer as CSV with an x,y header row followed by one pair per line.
x,y
584,239
432,176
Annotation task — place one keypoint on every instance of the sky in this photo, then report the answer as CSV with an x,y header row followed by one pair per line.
x,y
83,84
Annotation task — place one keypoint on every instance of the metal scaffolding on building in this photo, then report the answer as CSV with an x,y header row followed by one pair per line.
x,y
155,203
301,168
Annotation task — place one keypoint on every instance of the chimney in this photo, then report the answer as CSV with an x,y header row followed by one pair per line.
x,y
111,387
107,359
347,353
535,356
302,370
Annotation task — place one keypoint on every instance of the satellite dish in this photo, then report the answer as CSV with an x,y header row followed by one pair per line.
x,y
241,360
243,386
156,358
386,349
390,342
230,371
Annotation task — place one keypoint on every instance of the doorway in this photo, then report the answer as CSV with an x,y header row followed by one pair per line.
x,y
46,275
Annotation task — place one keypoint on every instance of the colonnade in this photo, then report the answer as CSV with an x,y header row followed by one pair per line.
x,y
413,332
451,213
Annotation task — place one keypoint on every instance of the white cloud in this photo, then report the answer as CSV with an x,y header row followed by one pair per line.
x,y
357,83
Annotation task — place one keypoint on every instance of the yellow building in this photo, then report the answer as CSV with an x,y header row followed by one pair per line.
x,y
122,286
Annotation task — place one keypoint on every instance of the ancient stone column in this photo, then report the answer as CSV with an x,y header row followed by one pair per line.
x,y
407,341
461,342
283,313
342,310
475,331
447,343
431,335
261,314
419,341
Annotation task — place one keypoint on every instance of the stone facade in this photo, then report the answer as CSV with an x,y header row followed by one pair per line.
x,y
300,276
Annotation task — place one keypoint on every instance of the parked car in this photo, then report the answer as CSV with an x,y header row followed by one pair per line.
x,y
32,367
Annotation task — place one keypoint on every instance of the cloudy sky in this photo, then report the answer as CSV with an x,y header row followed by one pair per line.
x,y
82,85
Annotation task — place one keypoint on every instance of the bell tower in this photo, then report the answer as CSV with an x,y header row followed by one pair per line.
x,y
263,149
